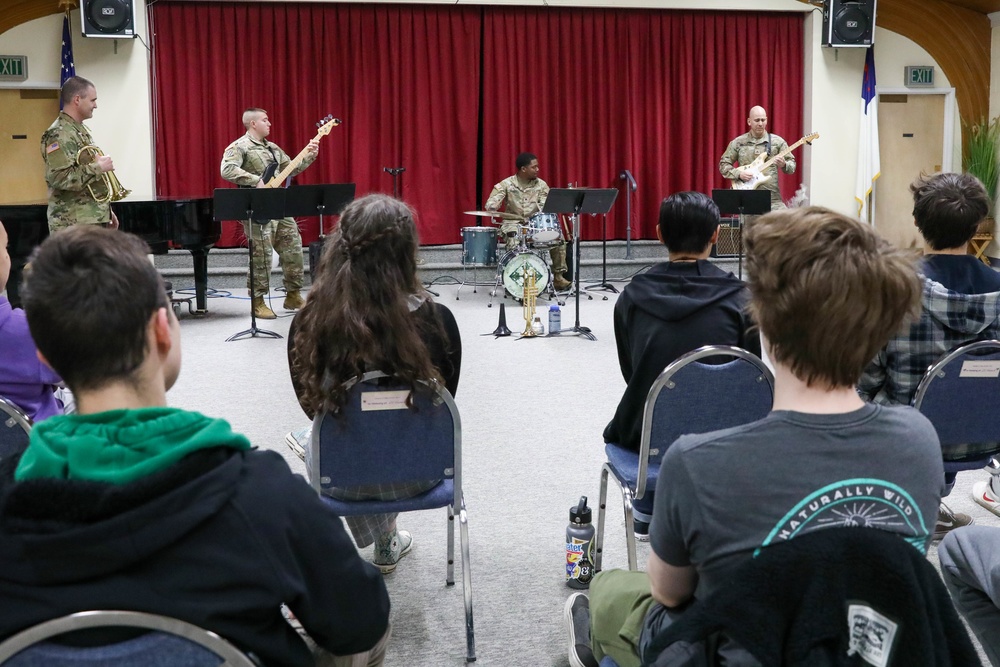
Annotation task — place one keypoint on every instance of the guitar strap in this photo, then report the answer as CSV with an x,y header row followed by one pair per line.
x,y
767,146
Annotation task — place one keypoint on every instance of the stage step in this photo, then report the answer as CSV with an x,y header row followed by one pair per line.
x,y
227,268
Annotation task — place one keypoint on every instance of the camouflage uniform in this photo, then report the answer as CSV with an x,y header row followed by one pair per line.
x,y
70,202
525,200
243,163
744,149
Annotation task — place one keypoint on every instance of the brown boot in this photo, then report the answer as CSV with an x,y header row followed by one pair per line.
x,y
293,301
561,284
261,311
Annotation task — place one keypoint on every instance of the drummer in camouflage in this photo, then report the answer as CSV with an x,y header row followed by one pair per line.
x,y
524,194
70,201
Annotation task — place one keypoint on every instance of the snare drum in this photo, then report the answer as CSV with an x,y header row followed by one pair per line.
x,y
515,267
479,246
543,227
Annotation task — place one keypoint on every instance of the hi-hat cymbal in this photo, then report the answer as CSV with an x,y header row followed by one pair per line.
x,y
503,215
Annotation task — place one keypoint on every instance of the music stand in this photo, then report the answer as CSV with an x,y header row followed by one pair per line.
x,y
324,199
263,204
741,203
574,201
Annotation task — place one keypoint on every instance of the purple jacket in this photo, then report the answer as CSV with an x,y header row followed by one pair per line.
x,y
24,380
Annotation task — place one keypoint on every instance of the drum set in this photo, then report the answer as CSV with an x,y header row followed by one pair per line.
x,y
537,233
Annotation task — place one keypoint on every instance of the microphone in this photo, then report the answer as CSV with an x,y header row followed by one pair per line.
x,y
626,175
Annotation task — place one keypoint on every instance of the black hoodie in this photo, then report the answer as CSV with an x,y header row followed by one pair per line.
x,y
673,308
220,539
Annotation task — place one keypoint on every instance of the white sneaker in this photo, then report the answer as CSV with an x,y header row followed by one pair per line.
x,y
984,496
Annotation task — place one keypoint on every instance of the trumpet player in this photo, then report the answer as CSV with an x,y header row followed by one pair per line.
x,y
71,201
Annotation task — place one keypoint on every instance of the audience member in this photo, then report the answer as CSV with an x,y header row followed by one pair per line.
x,y
24,379
970,565
367,311
822,458
675,307
961,304
134,505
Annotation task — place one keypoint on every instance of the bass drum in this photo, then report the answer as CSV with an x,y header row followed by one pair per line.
x,y
515,267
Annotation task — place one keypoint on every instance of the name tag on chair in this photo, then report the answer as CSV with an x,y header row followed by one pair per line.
x,y
384,400
980,369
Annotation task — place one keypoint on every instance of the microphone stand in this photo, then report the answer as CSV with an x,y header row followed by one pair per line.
x,y
626,175
397,177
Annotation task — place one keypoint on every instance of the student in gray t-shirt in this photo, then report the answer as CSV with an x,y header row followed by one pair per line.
x,y
827,293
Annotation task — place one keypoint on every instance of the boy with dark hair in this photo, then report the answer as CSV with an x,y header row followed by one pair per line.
x,y
961,304
821,458
675,307
133,505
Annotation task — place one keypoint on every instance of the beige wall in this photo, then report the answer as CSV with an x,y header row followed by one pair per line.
x,y
123,120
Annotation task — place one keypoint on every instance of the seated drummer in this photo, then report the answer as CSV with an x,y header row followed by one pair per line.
x,y
524,194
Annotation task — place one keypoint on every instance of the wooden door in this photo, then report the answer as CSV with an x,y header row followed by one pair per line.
x,y
24,116
911,142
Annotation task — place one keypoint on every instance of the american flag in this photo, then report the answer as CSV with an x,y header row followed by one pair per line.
x,y
68,68
869,164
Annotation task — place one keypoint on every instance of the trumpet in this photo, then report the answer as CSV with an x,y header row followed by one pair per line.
x,y
112,189
530,294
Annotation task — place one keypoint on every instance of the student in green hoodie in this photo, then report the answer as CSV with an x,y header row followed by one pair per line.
x,y
130,504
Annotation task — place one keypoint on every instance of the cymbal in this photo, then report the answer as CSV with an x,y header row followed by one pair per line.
x,y
503,215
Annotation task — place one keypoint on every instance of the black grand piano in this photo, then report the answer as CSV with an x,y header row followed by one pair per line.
x,y
187,223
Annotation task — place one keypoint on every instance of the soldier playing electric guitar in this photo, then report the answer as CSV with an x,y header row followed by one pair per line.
x,y
758,142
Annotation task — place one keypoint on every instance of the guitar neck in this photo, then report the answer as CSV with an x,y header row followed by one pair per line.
x,y
785,152
280,177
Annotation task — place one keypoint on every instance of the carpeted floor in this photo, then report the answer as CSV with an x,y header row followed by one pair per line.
x,y
533,411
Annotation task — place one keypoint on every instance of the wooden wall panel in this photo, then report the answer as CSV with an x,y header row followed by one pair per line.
x,y
16,12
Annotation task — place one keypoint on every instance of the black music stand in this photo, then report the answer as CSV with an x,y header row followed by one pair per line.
x,y
397,179
263,204
604,286
575,201
325,199
741,203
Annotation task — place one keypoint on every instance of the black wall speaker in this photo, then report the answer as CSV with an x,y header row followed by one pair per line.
x,y
848,22
108,18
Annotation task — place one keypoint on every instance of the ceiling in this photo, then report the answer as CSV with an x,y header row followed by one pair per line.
x,y
981,6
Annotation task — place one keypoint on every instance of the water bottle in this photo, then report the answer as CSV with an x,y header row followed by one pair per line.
x,y
579,546
555,319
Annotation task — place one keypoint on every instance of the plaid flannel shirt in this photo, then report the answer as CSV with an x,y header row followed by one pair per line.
x,y
947,320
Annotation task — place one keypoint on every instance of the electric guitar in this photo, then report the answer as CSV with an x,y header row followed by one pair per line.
x,y
276,181
761,164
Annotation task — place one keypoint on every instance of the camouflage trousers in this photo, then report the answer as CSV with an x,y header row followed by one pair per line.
x,y
283,236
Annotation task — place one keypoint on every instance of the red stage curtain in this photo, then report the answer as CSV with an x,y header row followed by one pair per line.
x,y
403,79
591,91
660,93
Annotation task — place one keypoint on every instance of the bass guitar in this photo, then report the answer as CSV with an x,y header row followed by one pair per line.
x,y
758,168
276,181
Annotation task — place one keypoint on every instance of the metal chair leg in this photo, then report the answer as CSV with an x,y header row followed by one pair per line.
x,y
601,508
629,528
450,576
470,633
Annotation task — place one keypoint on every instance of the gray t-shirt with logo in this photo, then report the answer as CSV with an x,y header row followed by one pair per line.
x,y
722,496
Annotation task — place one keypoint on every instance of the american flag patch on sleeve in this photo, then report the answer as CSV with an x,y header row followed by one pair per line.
x,y
52,147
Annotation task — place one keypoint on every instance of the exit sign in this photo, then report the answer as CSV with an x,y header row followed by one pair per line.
x,y
13,68
918,76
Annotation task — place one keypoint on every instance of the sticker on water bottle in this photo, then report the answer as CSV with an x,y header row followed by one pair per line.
x,y
579,565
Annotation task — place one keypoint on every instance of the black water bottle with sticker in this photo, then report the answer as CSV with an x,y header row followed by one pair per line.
x,y
579,546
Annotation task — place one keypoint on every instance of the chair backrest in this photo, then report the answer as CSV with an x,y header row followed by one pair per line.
x,y
692,396
960,395
15,429
170,643
377,439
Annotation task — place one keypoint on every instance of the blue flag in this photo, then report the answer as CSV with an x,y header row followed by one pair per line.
x,y
68,68
869,164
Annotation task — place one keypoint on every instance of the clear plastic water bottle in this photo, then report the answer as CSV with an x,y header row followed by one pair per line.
x,y
555,319
579,546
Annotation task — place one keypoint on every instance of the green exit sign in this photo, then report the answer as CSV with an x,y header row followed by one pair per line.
x,y
919,76
13,68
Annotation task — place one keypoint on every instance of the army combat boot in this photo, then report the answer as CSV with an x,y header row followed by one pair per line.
x,y
261,311
293,301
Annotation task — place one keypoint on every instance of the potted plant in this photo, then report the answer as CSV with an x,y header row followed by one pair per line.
x,y
981,158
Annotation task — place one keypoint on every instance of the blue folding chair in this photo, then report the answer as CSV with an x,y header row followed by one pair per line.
x,y
960,395
689,396
170,643
377,439
15,429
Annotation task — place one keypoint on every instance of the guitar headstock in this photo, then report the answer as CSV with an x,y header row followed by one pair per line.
x,y
326,125
809,138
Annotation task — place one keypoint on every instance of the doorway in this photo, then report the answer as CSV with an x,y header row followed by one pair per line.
x,y
25,114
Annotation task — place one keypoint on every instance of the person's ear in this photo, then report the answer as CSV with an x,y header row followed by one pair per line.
x,y
715,235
